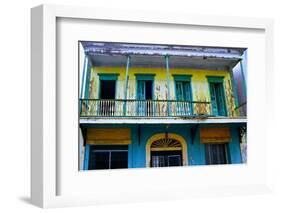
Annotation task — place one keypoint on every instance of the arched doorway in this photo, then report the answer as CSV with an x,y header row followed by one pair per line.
x,y
166,149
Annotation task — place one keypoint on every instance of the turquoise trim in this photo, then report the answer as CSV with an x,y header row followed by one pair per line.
x,y
108,76
130,155
215,79
218,79
234,147
182,77
87,157
144,77
224,98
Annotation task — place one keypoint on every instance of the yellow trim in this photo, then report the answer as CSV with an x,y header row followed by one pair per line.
x,y
166,149
215,140
110,136
170,135
215,135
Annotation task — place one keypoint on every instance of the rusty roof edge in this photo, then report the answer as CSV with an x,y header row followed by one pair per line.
x,y
107,48
103,52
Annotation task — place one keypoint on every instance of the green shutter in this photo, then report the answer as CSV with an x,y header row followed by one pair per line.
x,y
217,99
183,93
213,99
141,90
188,96
187,91
221,108
179,91
141,96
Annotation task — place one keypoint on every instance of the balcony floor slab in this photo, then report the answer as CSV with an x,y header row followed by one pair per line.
x,y
164,120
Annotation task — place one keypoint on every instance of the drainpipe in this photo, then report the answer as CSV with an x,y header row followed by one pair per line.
x,y
168,81
126,86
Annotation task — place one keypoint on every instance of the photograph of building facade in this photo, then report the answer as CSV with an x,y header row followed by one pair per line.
x,y
152,105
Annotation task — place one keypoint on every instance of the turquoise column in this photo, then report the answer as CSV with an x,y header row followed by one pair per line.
x,y
234,147
168,81
87,155
126,84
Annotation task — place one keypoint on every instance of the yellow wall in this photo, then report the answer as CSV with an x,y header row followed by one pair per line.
x,y
199,83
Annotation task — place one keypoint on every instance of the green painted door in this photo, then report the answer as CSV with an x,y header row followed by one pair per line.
x,y
141,98
220,98
183,95
217,99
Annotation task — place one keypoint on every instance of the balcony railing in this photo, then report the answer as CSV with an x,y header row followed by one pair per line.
x,y
143,108
242,109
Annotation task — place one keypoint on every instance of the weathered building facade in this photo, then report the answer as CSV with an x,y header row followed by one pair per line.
x,y
161,105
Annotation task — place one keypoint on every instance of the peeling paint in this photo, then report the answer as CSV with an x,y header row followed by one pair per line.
x,y
199,85
108,48
230,98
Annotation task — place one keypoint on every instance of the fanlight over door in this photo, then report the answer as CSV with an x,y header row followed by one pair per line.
x,y
166,152
166,144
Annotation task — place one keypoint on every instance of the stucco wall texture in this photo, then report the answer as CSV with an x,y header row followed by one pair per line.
x,y
199,83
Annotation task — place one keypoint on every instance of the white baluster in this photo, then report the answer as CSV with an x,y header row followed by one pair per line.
x,y
111,107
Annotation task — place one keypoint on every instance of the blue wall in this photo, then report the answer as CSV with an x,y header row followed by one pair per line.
x,y
195,149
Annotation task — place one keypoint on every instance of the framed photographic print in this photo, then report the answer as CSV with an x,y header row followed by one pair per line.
x,y
130,106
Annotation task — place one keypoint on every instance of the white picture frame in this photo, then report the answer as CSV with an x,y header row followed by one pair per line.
x,y
45,172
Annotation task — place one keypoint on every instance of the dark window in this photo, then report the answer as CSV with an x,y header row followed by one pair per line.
x,y
166,158
148,90
107,91
100,160
218,99
119,160
216,154
108,157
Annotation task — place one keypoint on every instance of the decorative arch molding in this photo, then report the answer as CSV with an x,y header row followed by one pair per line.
x,y
158,137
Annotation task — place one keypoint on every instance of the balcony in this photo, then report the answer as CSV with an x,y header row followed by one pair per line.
x,y
241,110
144,108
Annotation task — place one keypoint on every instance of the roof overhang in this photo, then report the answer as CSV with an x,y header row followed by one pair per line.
x,y
195,62
151,55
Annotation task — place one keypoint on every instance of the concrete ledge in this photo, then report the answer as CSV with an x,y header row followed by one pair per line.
x,y
166,120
